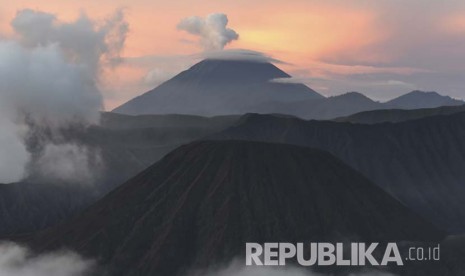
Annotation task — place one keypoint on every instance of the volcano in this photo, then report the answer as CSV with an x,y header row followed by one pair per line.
x,y
201,203
219,87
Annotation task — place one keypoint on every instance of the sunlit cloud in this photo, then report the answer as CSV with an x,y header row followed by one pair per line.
x,y
213,31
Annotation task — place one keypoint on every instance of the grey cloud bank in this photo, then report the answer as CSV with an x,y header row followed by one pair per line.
x,y
16,260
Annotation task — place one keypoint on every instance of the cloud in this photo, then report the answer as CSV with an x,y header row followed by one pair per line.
x,y
156,76
41,84
212,30
431,43
403,40
83,41
19,261
162,68
237,268
264,271
49,80
240,54
68,162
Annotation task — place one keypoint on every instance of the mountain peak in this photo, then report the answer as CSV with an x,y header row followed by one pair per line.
x,y
422,99
238,69
420,92
219,87
353,95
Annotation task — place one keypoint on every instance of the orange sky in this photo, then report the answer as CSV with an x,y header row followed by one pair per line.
x,y
274,27
317,38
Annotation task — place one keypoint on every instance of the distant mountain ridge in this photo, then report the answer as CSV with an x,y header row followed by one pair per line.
x,y
355,102
322,109
420,99
215,87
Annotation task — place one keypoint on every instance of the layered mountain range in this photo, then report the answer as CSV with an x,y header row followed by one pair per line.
x,y
130,144
215,87
354,102
420,162
399,115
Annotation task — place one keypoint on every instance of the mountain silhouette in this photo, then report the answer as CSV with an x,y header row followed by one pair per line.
x,y
353,102
218,87
201,203
215,87
420,99
322,109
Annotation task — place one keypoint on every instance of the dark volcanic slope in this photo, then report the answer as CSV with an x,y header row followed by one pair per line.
x,y
25,207
201,203
399,115
420,162
218,87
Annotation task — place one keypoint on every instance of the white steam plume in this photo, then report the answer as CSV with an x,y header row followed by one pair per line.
x,y
49,80
41,84
212,30
69,162
18,261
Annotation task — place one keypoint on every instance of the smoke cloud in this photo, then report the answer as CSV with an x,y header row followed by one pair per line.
x,y
264,271
212,30
237,268
49,80
83,41
18,261
69,162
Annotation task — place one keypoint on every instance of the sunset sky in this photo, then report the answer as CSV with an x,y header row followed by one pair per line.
x,y
382,48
